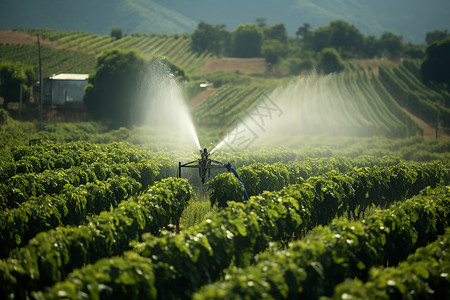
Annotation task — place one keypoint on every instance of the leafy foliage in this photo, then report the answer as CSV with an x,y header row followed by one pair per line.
x,y
310,268
51,255
13,78
435,66
246,41
112,94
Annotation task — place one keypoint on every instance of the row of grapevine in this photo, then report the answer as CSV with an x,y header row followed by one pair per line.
x,y
393,106
51,185
77,50
177,265
338,104
228,103
53,254
19,188
312,267
420,101
70,207
53,60
49,156
176,47
423,275
259,177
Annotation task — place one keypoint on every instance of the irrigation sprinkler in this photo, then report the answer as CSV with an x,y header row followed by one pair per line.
x,y
204,165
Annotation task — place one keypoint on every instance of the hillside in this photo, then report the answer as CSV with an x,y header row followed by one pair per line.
x,y
93,16
362,101
410,18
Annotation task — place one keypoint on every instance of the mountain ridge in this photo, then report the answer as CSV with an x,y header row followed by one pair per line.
x,y
411,19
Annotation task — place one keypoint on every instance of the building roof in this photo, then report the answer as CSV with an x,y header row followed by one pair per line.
x,y
67,76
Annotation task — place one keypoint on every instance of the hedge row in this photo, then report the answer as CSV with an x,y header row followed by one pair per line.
x,y
259,177
183,263
51,255
19,188
312,267
71,207
424,275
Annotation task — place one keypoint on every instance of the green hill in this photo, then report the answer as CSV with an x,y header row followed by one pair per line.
x,y
97,16
410,18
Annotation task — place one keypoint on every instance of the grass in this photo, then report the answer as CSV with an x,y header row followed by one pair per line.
x,y
196,211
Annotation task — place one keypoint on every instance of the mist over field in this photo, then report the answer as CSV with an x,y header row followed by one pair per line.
x,y
251,149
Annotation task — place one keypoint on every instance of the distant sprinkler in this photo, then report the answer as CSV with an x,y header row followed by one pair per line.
x,y
204,166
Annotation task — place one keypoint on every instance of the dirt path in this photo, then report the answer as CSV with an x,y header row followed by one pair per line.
x,y
428,131
245,66
19,37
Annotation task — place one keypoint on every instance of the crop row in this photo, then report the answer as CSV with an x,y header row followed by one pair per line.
x,y
50,156
53,60
424,275
177,48
312,267
372,107
228,103
51,255
80,49
177,265
378,180
346,103
70,207
417,100
393,107
19,188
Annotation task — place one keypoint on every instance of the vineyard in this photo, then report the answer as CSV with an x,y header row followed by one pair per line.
x,y
362,101
77,50
97,219
348,199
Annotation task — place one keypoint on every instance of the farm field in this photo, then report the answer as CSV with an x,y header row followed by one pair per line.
x,y
349,196
97,218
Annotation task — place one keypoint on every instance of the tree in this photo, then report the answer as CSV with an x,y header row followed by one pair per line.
x,y
346,38
392,44
261,22
112,93
247,41
276,32
210,38
297,65
342,36
12,75
272,50
435,36
371,47
436,66
318,39
116,33
414,51
330,61
303,31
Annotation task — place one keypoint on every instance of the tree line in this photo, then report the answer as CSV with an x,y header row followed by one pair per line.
x,y
116,76
323,48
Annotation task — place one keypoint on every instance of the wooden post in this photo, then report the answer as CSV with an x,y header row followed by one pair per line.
x,y
20,98
437,125
41,84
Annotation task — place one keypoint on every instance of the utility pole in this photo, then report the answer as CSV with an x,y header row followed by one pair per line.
x,y
437,125
21,100
41,83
